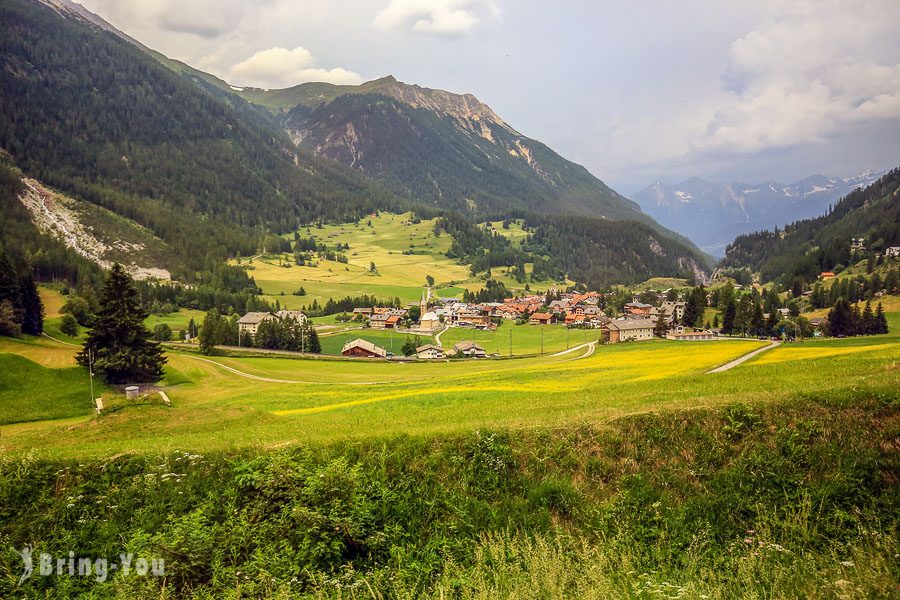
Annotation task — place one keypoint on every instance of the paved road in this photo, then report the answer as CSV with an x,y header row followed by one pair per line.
x,y
743,358
591,346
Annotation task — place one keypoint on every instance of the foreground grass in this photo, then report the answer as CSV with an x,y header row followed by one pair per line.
x,y
794,498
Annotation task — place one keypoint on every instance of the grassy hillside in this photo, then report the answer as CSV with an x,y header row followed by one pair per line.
x,y
404,254
766,500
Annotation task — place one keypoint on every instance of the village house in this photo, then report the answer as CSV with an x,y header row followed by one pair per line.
x,y
574,319
638,309
249,323
429,352
624,330
379,321
826,275
542,319
365,312
468,349
364,349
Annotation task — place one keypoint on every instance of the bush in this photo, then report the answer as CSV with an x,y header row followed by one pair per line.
x,y
69,325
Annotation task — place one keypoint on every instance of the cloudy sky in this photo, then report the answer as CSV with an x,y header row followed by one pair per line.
x,y
637,92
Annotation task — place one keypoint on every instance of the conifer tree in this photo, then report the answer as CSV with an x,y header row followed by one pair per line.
x,y
32,307
868,326
119,346
881,324
662,325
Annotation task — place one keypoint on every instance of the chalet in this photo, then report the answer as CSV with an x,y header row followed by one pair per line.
x,y
381,310
363,348
638,309
468,349
429,321
249,323
542,319
296,315
893,251
693,336
392,322
430,352
365,312
826,275
623,330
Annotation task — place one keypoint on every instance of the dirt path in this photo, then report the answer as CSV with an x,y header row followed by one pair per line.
x,y
437,337
273,380
58,341
744,358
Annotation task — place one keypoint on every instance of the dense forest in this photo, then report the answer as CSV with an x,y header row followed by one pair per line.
x,y
804,249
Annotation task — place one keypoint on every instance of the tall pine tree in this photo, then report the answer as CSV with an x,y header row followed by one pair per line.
x,y
119,344
32,307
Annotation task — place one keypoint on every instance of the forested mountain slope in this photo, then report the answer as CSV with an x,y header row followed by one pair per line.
x,y
90,113
806,248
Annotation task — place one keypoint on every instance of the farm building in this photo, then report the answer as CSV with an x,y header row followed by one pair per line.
x,y
362,348
468,349
624,330
429,351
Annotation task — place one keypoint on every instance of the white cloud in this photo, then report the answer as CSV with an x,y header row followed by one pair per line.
x,y
817,71
443,18
280,67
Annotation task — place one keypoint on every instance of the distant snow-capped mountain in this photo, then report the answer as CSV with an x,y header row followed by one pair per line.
x,y
713,214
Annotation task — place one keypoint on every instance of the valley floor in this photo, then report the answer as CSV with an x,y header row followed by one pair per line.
x,y
215,404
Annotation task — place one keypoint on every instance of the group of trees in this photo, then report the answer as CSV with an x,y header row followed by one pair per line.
x,y
854,289
21,309
846,320
273,334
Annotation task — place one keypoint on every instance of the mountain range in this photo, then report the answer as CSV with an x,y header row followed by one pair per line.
x,y
210,169
713,214
805,248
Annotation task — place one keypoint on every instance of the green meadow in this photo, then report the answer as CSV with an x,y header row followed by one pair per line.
x,y
326,400
404,254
